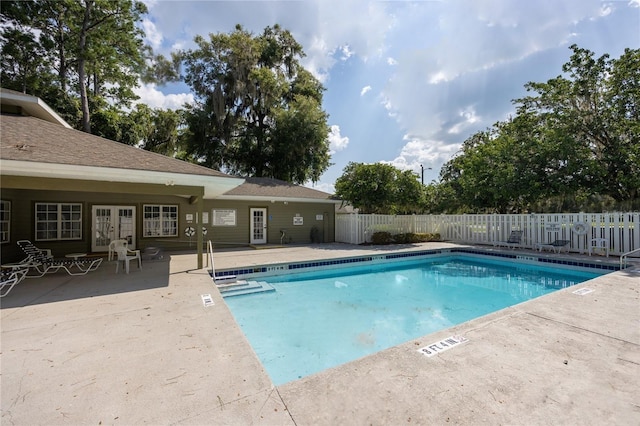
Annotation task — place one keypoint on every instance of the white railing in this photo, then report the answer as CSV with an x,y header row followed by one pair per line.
x,y
621,230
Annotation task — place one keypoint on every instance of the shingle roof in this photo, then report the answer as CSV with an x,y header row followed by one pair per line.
x,y
268,187
24,138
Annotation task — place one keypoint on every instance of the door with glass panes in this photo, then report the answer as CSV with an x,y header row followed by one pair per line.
x,y
112,223
258,226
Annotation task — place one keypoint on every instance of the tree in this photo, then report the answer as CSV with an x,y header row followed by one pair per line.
x,y
379,188
90,50
572,144
258,111
593,110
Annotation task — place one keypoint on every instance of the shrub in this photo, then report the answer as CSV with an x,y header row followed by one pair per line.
x,y
384,237
381,237
424,237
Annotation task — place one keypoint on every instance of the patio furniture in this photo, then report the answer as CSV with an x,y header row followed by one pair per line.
x,y
599,244
125,256
10,276
113,245
75,256
556,245
514,240
42,262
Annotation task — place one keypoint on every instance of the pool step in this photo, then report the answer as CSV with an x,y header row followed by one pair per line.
x,y
244,287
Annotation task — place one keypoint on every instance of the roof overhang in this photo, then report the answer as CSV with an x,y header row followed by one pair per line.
x,y
276,199
33,106
213,186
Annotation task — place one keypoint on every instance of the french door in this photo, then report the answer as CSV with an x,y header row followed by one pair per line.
x,y
258,225
112,223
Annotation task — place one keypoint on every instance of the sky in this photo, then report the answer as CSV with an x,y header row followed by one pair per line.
x,y
407,82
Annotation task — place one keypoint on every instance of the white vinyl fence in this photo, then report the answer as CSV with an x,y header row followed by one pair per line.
x,y
621,230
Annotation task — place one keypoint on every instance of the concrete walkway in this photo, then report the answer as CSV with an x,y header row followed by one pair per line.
x,y
143,349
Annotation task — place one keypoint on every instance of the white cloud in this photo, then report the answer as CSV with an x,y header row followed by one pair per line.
x,y
392,62
337,142
346,52
365,90
468,116
430,154
152,35
329,188
154,98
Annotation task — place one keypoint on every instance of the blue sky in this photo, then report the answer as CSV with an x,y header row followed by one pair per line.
x,y
407,82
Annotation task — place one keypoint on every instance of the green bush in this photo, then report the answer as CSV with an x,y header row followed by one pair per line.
x,y
381,237
425,238
384,237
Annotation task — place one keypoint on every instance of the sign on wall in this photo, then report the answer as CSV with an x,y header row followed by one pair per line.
x,y
298,220
552,227
224,217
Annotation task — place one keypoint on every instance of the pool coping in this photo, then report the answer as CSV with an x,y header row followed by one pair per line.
x,y
270,269
142,348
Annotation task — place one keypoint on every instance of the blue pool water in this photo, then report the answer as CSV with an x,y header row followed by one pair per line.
x,y
314,321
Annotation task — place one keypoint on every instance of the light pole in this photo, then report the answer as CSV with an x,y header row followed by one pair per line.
x,y
422,173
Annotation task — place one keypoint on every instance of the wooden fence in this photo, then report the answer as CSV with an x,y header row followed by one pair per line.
x,y
621,230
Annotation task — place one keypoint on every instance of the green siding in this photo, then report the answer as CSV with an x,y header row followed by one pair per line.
x,y
279,216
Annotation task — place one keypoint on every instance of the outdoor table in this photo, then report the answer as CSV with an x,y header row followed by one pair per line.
x,y
75,256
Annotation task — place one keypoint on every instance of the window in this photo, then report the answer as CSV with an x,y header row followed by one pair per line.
x,y
58,221
160,221
5,221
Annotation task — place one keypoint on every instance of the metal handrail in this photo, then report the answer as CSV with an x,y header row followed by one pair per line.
x,y
210,256
623,258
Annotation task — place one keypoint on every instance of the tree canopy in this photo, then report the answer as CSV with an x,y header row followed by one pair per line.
x,y
258,111
380,188
78,56
574,143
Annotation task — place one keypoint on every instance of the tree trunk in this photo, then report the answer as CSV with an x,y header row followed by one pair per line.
x,y
82,81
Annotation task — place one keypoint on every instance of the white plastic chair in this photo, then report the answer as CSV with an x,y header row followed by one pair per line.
x,y
113,245
125,256
599,244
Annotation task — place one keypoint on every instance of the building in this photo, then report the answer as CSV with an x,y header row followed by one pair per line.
x,y
71,191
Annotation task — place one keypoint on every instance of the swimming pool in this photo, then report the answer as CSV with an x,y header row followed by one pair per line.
x,y
317,320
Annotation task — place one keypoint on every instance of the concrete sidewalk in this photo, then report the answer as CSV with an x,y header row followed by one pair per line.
x,y
143,349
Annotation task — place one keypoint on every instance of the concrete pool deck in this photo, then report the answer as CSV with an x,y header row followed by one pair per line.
x,y
143,349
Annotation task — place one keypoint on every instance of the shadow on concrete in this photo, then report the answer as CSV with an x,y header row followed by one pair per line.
x,y
60,286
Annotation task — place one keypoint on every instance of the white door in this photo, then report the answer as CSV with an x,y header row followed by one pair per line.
x,y
112,223
258,227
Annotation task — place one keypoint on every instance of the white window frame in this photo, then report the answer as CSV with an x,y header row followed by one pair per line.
x,y
5,221
160,220
58,221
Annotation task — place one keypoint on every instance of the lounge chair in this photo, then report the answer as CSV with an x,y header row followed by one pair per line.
x,y
41,261
11,276
556,245
515,239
